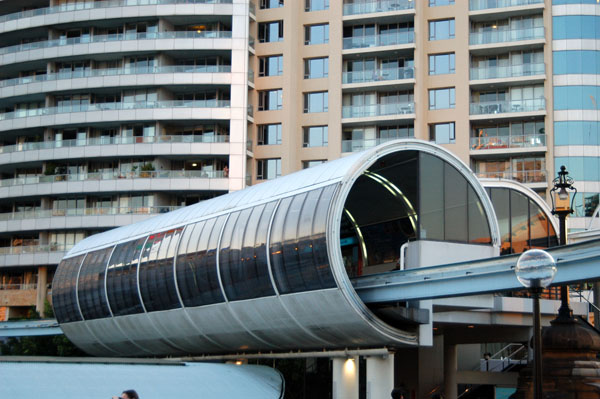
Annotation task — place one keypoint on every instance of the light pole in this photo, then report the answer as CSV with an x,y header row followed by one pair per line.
x,y
535,270
562,206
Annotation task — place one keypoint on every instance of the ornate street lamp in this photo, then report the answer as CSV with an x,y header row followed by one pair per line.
x,y
562,196
535,271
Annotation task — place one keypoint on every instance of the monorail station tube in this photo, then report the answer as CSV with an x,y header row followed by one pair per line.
x,y
269,268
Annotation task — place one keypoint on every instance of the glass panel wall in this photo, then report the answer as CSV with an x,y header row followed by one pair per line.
x,y
90,289
121,278
64,297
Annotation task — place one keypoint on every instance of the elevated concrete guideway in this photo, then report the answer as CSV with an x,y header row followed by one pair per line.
x,y
575,263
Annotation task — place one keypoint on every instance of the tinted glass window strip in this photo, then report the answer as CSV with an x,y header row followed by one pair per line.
x,y
64,296
157,282
319,239
196,265
92,298
300,280
228,255
276,248
121,279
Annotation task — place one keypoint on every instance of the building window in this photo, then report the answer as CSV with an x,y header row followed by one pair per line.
x,y
264,4
315,136
270,100
316,5
437,3
315,68
316,34
441,30
316,102
314,162
441,64
269,134
441,98
442,133
267,169
270,66
269,32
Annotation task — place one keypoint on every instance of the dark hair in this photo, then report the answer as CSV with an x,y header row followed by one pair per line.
x,y
131,394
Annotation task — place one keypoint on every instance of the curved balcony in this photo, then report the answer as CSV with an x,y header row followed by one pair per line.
x,y
527,142
364,144
29,255
377,75
93,5
118,111
380,40
49,213
93,73
502,107
375,110
510,71
506,35
477,5
522,176
377,6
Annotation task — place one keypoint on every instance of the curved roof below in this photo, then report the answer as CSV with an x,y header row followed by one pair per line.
x,y
72,379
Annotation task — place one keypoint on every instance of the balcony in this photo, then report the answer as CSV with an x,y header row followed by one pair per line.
x,y
511,71
522,176
32,249
383,39
477,5
88,5
91,73
503,142
112,175
506,35
374,110
47,213
377,75
501,107
364,144
370,7
116,37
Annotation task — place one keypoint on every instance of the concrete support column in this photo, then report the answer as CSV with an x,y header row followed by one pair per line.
x,y
42,282
450,366
380,377
345,378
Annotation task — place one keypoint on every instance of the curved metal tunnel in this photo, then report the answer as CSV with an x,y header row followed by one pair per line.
x,y
269,267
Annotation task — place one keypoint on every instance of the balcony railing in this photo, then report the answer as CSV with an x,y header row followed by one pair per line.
x,y
373,6
500,142
476,5
31,249
364,144
7,287
46,145
378,75
383,39
24,113
116,37
523,176
252,7
91,73
46,213
365,111
501,107
510,71
506,35
113,175
100,4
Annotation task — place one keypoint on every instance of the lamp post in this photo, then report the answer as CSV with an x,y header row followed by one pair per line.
x,y
535,270
562,206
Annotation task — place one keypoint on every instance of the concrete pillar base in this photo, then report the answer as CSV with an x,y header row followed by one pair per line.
x,y
345,378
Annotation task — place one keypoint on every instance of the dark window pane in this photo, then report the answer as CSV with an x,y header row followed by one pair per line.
x,y
157,282
318,238
121,279
501,201
455,201
196,264
92,297
64,298
519,215
243,266
539,226
479,228
431,200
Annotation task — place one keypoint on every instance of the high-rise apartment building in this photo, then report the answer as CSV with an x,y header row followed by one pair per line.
x,y
116,110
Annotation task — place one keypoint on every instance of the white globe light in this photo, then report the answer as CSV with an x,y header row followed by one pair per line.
x,y
535,269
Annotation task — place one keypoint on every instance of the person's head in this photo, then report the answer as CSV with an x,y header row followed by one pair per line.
x,y
130,394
